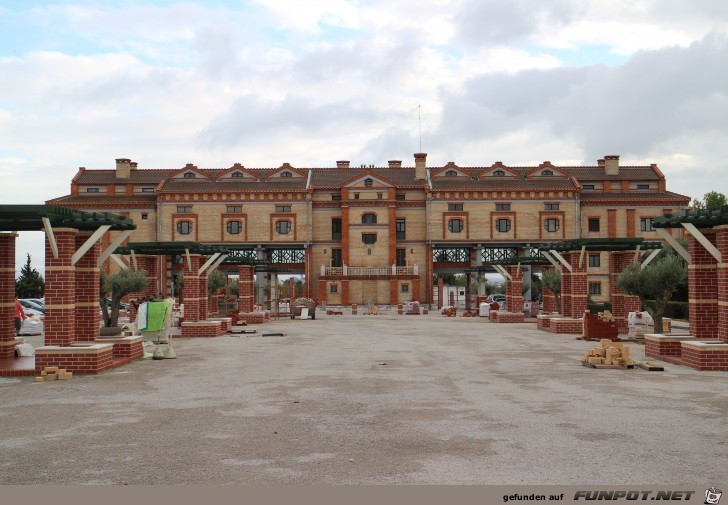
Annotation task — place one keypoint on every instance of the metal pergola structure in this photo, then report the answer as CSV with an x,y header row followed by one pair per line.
x,y
40,217
692,221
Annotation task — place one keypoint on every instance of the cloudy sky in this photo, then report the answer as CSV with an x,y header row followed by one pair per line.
x,y
262,82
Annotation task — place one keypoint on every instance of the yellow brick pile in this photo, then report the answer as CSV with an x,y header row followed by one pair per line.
x,y
606,316
610,353
51,373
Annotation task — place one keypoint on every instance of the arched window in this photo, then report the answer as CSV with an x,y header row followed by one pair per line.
x,y
237,175
503,225
286,174
551,225
499,173
234,227
455,225
189,175
184,227
283,227
369,218
451,173
547,173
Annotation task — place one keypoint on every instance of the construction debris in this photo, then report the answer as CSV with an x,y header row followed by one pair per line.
x,y
609,355
649,366
372,311
51,373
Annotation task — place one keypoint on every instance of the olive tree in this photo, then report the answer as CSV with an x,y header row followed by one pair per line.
x,y
118,286
657,281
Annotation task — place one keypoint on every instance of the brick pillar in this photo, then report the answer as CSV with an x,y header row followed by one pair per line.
x,y
344,291
565,290
7,295
416,290
87,317
292,289
322,292
514,289
549,297
60,281
722,244
246,284
579,284
204,299
192,295
703,289
440,292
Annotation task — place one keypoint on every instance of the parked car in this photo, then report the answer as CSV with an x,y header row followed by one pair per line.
x,y
30,307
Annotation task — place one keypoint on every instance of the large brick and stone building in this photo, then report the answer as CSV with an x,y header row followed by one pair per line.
x,y
381,234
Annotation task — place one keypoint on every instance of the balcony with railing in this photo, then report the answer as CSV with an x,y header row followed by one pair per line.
x,y
355,271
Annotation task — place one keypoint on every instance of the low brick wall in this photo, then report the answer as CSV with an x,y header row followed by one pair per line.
x,y
543,321
226,322
510,317
202,329
254,317
124,347
566,325
658,345
90,359
705,355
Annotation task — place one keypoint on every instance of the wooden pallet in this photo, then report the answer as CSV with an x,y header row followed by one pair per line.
x,y
650,366
596,365
240,332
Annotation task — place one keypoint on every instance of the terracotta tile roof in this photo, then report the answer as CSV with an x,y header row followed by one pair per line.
x,y
677,199
626,173
263,185
104,200
502,183
136,177
334,177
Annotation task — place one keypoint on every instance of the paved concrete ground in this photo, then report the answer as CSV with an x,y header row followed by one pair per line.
x,y
369,400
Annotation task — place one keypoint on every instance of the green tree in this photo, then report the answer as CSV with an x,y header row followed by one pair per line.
x,y
216,281
657,281
552,280
118,286
712,200
30,284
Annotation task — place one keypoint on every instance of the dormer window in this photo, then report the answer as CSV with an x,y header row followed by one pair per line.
x,y
451,173
499,173
92,190
547,173
189,175
368,183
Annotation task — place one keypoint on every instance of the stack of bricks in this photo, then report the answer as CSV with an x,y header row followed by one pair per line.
x,y
610,353
601,326
7,293
51,373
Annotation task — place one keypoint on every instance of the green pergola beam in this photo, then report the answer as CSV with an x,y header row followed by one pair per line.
x,y
30,218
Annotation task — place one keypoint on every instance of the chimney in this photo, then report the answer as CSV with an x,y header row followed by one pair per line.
x,y
395,163
611,164
123,168
600,163
421,166
133,165
342,164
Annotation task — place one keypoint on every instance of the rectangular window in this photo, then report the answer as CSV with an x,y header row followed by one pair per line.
x,y
92,190
333,288
502,206
587,186
380,196
595,260
405,288
336,229
595,288
184,209
120,190
336,260
401,229
336,198
369,238
643,186
646,224
455,207
551,206
593,224
400,197
356,196
234,209
401,257
145,216
283,208
147,190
